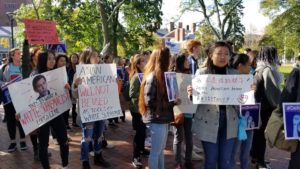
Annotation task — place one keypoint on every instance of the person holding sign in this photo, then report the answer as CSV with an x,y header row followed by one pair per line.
x,y
185,129
46,62
241,62
268,81
137,66
216,125
11,72
156,110
91,131
291,94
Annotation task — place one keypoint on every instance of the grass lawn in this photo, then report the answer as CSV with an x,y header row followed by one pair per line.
x,y
286,69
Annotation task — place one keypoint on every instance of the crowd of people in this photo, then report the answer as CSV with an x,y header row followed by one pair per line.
x,y
215,126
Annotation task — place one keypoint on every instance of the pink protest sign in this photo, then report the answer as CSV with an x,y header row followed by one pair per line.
x,y
41,32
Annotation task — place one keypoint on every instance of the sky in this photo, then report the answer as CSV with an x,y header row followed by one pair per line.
x,y
253,19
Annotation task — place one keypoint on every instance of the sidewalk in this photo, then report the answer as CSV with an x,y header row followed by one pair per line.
x,y
120,156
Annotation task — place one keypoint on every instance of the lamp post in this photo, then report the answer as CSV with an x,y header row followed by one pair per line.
x,y
10,16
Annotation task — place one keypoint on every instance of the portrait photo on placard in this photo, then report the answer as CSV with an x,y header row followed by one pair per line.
x,y
291,119
171,85
252,115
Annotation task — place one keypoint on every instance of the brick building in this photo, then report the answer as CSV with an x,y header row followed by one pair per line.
x,y
9,6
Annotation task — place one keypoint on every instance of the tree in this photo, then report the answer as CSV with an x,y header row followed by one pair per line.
x,y
284,31
228,16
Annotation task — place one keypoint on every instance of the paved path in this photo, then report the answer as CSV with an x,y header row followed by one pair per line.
x,y
119,157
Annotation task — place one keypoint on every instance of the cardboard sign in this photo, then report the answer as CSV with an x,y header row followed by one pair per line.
x,y
41,32
252,115
171,85
221,89
291,120
5,92
98,93
40,98
186,105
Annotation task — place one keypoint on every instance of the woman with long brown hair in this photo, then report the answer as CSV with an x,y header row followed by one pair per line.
x,y
137,66
154,106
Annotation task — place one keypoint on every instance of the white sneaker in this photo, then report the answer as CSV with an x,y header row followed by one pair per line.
x,y
110,145
197,149
197,157
66,167
148,142
92,154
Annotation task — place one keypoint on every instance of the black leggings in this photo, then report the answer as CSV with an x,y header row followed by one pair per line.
x,y
140,135
11,122
74,114
59,127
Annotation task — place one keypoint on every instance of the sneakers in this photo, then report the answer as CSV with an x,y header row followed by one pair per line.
x,y
75,125
12,147
263,165
196,157
23,145
137,162
197,149
148,142
68,127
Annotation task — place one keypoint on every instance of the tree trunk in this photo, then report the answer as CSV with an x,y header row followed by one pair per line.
x,y
105,23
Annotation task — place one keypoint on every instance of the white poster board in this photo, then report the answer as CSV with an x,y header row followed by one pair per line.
x,y
171,85
183,81
40,98
98,93
221,89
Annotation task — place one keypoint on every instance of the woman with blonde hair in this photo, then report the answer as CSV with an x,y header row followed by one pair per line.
x,y
156,110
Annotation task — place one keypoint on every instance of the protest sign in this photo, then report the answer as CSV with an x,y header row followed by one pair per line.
x,y
5,92
40,98
173,46
221,89
186,105
291,120
171,85
140,76
41,32
252,115
98,93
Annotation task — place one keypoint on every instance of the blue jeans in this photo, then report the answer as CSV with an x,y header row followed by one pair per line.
x,y
91,132
219,154
159,135
245,147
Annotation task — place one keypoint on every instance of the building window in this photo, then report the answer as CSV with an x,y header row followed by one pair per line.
x,y
10,6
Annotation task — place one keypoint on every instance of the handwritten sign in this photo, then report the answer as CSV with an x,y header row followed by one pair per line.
x,y
5,92
98,93
41,32
40,98
252,115
291,120
186,105
221,89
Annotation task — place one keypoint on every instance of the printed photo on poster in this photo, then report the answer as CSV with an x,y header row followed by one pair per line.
x,y
40,98
140,76
291,120
171,85
252,115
